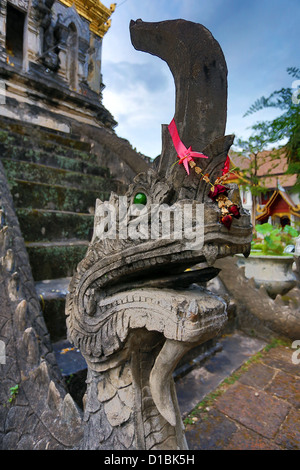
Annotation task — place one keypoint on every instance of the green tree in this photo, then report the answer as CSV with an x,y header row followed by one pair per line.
x,y
248,178
286,127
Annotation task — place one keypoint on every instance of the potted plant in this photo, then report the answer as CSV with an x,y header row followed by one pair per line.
x,y
271,259
274,240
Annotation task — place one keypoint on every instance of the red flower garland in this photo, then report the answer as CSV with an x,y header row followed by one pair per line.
x,y
216,191
219,194
234,210
227,221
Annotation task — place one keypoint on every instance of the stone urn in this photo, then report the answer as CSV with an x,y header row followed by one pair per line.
x,y
275,273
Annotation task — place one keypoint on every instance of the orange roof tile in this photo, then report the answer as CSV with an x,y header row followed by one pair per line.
x,y
271,169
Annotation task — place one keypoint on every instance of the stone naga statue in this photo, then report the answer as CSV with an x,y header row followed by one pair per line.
x,y
133,309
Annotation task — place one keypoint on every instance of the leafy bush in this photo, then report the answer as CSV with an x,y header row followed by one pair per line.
x,y
274,240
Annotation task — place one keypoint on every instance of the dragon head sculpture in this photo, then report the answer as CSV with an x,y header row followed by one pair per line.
x,y
134,309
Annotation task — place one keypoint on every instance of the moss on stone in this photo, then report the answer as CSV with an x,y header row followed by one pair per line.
x,y
43,196
30,155
41,173
55,180
39,225
53,262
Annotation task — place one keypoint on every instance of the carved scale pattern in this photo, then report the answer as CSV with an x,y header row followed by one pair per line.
x,y
42,415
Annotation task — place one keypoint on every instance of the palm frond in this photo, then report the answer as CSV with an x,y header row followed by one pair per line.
x,y
259,104
294,71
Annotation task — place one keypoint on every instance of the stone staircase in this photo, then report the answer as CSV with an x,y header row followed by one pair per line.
x,y
54,179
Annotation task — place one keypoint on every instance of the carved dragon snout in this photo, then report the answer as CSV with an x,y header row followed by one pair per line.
x,y
182,318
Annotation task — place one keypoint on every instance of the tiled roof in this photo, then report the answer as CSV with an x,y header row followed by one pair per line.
x,y
271,168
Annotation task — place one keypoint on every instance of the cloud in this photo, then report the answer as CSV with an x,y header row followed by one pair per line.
x,y
259,40
126,76
139,96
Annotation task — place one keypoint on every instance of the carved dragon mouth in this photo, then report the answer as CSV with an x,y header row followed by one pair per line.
x,y
141,293
183,319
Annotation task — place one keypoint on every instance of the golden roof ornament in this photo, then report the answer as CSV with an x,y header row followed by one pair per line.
x,y
95,12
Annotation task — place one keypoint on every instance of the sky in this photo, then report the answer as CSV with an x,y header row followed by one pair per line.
x,y
259,38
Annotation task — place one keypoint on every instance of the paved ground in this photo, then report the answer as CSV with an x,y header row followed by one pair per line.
x,y
250,396
258,407
234,350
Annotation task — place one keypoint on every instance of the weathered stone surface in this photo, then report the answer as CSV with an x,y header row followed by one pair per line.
x,y
31,349
234,350
126,435
258,374
213,431
106,390
242,396
10,441
16,417
253,409
53,399
116,411
127,396
281,358
267,317
70,412
121,376
289,433
245,439
20,316
287,387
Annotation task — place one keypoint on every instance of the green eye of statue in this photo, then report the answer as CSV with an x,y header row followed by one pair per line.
x,y
140,198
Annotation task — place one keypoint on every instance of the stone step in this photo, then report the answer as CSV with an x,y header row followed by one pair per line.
x,y
38,195
56,259
39,225
87,166
32,134
234,350
35,172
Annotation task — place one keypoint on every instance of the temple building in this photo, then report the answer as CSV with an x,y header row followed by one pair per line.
x,y
58,143
277,203
50,56
279,208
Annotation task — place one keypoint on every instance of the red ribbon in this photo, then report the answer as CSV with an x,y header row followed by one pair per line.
x,y
183,153
226,166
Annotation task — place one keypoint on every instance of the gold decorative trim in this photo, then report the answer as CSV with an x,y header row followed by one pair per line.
x,y
95,12
260,208
281,214
264,211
